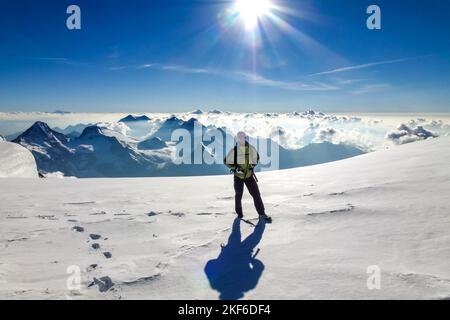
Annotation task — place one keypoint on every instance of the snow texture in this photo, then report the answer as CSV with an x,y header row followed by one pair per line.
x,y
16,161
177,238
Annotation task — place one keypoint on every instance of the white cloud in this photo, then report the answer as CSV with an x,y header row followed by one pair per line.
x,y
184,69
286,85
158,66
60,60
363,66
405,134
371,88
251,78
326,134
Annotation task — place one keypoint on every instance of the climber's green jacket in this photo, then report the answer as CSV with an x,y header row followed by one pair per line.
x,y
242,160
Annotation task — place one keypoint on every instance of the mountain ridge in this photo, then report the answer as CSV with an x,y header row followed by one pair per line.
x,y
102,152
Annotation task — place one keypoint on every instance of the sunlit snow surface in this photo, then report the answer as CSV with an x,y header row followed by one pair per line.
x,y
163,238
16,161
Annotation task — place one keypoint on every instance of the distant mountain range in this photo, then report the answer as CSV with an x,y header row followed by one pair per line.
x,y
73,130
101,152
92,154
131,118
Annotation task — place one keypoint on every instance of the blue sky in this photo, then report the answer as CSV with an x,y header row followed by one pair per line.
x,y
178,55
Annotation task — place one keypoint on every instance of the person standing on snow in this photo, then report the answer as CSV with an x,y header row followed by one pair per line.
x,y
242,160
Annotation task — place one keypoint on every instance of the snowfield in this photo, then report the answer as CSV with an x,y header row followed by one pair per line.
x,y
160,238
16,161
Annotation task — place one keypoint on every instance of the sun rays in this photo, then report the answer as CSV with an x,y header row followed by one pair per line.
x,y
251,11
258,26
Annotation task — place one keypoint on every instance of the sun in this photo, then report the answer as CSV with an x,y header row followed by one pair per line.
x,y
250,11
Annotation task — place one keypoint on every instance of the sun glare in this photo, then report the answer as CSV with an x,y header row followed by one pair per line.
x,y
250,11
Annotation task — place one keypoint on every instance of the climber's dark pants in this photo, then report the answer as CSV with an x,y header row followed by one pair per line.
x,y
252,187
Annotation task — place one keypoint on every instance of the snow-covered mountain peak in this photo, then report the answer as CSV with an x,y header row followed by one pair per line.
x,y
42,126
91,132
197,112
154,143
173,123
132,118
39,132
191,124
173,119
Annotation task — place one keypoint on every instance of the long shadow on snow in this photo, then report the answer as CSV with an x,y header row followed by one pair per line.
x,y
236,270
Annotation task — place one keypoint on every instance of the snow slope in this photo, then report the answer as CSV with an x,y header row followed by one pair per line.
x,y
16,161
389,208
